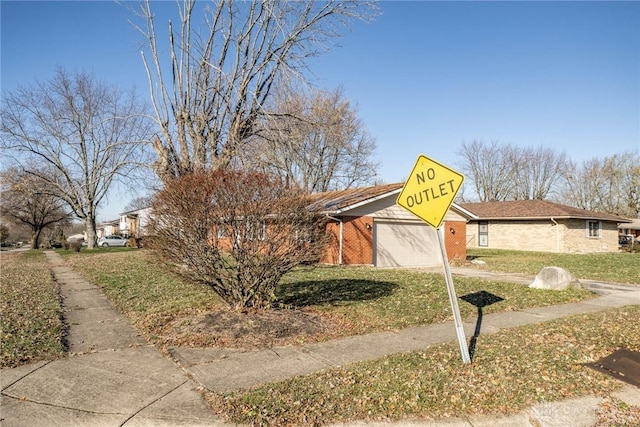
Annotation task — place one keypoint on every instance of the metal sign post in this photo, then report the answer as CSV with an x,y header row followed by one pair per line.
x,y
453,299
428,194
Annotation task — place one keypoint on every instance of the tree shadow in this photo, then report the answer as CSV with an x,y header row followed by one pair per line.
x,y
338,291
479,299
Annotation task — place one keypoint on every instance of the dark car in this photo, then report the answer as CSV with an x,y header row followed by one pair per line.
x,y
627,240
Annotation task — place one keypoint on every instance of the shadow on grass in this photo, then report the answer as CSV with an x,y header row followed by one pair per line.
x,y
338,291
479,299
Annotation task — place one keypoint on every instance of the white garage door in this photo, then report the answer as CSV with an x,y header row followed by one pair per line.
x,y
406,244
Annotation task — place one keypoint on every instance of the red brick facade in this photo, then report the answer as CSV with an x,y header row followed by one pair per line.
x,y
455,240
357,241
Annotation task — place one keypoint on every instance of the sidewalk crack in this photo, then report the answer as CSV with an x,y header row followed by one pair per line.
x,y
51,405
152,402
23,377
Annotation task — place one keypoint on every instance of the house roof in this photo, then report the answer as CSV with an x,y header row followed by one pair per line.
x,y
337,202
633,225
534,209
135,212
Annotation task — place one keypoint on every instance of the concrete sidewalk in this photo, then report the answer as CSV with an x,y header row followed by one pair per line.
x,y
114,377
223,370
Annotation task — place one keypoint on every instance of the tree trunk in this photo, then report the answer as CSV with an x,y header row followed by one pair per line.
x,y
35,237
90,224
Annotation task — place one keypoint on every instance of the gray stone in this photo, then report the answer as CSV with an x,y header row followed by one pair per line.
x,y
555,278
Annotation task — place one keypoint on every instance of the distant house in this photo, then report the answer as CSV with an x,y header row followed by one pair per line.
x,y
631,228
133,223
368,227
540,225
108,228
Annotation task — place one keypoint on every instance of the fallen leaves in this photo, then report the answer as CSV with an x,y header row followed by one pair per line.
x,y
31,315
513,369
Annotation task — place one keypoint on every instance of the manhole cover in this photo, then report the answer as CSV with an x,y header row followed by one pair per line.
x,y
622,364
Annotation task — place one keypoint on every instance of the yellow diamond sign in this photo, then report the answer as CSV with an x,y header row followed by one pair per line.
x,y
430,190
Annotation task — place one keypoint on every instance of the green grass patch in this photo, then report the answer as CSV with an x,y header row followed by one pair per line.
x,y
370,299
512,370
360,300
90,252
612,267
31,328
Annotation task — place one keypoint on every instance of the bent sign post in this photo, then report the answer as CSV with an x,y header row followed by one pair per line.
x,y
428,193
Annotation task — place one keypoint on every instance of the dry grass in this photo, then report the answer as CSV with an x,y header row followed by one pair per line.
x,y
512,370
31,328
316,303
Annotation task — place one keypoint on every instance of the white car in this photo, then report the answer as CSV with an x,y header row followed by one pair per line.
x,y
107,241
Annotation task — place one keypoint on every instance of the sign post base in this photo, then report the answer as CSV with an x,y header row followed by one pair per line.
x,y
453,299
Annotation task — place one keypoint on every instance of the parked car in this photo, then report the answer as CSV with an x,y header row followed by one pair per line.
x,y
106,241
627,240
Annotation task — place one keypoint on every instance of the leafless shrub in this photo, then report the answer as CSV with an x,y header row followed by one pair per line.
x,y
237,232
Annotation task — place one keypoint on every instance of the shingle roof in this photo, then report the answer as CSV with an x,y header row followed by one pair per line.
x,y
336,201
534,209
633,225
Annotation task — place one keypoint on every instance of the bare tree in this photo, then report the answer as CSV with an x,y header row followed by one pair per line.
x,y
538,171
237,232
86,131
610,184
490,168
208,93
507,172
27,201
581,184
139,203
4,233
314,142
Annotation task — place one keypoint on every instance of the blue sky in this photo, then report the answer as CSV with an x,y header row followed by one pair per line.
x,y
426,76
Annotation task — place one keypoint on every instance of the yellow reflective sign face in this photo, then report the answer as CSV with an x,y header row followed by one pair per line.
x,y
430,190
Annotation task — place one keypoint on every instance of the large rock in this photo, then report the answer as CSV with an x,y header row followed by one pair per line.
x,y
555,278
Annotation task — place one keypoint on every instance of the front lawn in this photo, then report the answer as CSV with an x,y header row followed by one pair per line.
x,y
512,370
31,327
336,301
620,267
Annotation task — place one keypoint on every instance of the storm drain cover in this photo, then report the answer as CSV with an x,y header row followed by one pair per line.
x,y
622,364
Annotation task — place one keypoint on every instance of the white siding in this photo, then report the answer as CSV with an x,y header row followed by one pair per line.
x,y
387,208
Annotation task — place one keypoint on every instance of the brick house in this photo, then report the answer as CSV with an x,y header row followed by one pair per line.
x,y
541,225
368,227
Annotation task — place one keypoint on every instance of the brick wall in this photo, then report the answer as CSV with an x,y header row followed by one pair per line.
x,y
455,240
357,241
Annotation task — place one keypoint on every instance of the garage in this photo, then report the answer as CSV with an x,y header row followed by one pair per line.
x,y
405,244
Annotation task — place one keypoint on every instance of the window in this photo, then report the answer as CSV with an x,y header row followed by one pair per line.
x,y
483,233
221,231
256,231
594,228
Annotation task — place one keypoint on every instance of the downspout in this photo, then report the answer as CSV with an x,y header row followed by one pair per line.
x,y
339,237
555,223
